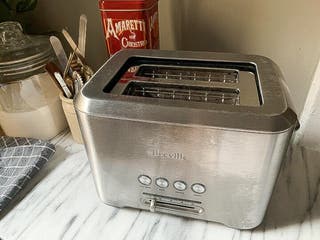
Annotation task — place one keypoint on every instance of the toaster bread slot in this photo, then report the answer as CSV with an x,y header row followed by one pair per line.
x,y
187,73
228,83
183,92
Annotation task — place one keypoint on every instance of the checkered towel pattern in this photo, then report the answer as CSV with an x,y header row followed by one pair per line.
x,y
20,160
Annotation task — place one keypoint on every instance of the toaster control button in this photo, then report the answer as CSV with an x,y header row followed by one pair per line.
x,y
162,182
198,188
180,185
145,180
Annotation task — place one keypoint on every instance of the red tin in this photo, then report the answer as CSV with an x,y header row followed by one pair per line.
x,y
130,24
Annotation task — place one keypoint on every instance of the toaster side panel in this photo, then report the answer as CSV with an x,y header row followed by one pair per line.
x,y
228,175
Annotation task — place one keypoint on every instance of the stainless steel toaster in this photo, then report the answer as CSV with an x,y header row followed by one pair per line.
x,y
195,134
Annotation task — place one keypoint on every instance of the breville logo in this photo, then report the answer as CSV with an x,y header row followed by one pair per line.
x,y
168,155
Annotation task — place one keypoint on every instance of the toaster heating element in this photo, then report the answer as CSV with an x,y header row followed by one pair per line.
x,y
194,134
191,73
183,93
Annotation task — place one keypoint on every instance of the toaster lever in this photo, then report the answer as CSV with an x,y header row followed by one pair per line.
x,y
161,206
152,205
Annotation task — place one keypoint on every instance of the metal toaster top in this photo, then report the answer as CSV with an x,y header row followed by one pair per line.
x,y
200,83
221,90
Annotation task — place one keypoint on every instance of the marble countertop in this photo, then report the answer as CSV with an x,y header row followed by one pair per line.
x,y
61,203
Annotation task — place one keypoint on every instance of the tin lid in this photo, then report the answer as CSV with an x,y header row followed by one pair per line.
x,y
118,5
21,55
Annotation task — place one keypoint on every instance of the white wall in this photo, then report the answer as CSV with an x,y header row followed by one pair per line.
x,y
309,133
54,15
286,31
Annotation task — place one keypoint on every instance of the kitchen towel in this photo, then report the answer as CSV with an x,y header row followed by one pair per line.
x,y
20,160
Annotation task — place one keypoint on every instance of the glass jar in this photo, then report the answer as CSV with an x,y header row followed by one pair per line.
x,y
29,99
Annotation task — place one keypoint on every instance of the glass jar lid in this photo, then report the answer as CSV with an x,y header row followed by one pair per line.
x,y
21,55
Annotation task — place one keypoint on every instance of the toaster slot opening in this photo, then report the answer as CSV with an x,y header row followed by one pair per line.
x,y
183,92
186,73
233,83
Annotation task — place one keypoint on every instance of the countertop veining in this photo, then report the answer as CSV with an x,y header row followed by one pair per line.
x,y
61,203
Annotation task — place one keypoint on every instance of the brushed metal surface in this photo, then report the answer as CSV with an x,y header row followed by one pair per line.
x,y
238,169
273,115
234,151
